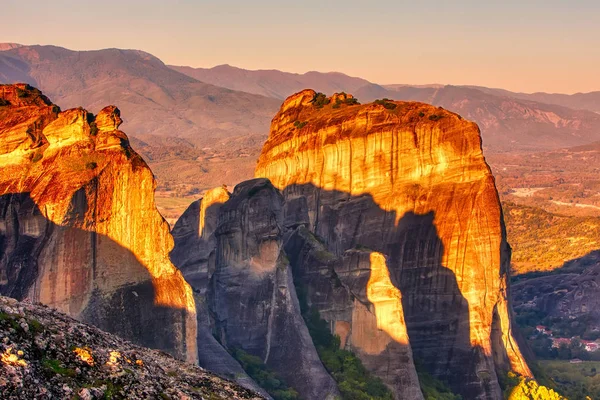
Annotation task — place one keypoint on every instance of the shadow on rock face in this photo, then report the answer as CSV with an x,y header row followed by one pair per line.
x,y
84,274
330,242
379,281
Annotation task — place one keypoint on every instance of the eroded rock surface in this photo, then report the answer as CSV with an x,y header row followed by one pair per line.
x,y
195,254
405,183
46,355
254,299
79,230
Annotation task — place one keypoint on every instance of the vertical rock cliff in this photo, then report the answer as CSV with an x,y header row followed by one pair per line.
x,y
195,254
254,299
79,230
395,228
230,249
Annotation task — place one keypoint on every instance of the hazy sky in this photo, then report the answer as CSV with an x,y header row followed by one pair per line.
x,y
525,45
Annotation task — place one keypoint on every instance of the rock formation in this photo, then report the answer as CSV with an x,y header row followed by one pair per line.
x,y
236,244
45,354
79,230
195,255
414,260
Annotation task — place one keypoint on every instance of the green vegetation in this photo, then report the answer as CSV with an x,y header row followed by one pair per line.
x,y
35,326
112,389
542,347
264,377
543,240
21,93
353,379
91,165
435,117
421,114
91,120
508,383
55,367
320,100
37,156
4,102
580,327
299,125
434,389
574,381
350,101
11,319
387,103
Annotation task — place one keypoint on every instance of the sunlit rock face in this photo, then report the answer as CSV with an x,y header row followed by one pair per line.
x,y
406,183
253,297
79,230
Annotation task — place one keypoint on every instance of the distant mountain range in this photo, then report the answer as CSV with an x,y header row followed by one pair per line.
x,y
274,83
154,99
278,84
188,121
509,121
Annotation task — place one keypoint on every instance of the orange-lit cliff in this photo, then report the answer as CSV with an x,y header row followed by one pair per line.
x,y
399,194
79,230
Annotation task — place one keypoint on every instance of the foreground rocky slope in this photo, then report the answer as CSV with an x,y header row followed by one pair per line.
x,y
45,354
400,195
79,230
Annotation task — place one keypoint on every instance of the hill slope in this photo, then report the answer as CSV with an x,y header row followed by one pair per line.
x,y
509,121
273,83
186,129
45,354
158,100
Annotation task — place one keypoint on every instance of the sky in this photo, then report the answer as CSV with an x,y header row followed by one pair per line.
x,y
525,45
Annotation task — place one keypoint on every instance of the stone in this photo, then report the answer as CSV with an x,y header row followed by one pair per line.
x,y
254,300
399,193
194,254
79,230
119,369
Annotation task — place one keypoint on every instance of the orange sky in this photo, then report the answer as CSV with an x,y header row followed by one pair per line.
x,y
529,45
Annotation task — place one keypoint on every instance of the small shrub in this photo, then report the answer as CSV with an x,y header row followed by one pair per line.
x,y
4,102
91,165
387,103
435,117
264,377
349,101
36,157
299,125
421,114
21,93
320,100
55,367
434,389
11,319
35,326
